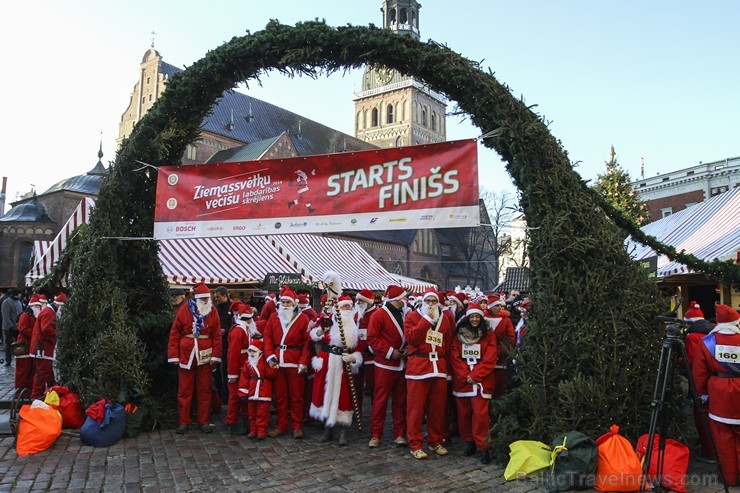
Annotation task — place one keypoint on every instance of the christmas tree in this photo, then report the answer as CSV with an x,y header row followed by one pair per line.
x,y
616,187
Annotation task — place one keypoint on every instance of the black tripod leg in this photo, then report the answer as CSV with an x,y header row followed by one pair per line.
x,y
696,399
658,412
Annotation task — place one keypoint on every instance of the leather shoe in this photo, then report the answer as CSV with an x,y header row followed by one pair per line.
x,y
276,433
206,428
298,433
400,441
374,442
182,429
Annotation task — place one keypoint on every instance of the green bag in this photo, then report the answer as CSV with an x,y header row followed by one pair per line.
x,y
575,457
527,457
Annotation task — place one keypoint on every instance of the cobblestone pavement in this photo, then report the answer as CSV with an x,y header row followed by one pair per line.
x,y
165,461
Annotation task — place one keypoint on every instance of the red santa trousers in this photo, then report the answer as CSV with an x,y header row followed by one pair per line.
x,y
472,420
199,377
727,439
288,391
388,383
236,406
43,377
23,374
259,415
431,391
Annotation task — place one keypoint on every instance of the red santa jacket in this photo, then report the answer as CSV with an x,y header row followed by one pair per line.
x,y
188,349
25,332
422,362
288,345
384,335
362,344
505,336
236,355
719,378
480,368
44,334
268,309
256,383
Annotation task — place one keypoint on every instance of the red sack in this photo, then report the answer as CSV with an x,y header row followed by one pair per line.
x,y
618,468
70,407
675,462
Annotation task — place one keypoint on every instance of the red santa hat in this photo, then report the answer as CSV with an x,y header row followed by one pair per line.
x,y
365,295
458,298
726,314
34,301
236,306
474,308
694,312
270,297
395,293
495,300
256,345
60,299
201,291
344,300
43,299
288,294
246,312
303,300
430,292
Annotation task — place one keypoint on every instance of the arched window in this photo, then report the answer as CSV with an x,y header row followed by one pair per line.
x,y
433,121
375,117
398,269
389,114
392,16
405,113
414,19
359,120
423,117
365,122
404,17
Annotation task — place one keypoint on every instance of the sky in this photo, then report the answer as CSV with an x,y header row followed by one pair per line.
x,y
659,80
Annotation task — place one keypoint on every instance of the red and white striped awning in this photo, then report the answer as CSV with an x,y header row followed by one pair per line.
x,y
230,260
313,255
413,285
708,230
45,260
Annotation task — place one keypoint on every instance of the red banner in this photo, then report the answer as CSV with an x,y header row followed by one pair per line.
x,y
425,186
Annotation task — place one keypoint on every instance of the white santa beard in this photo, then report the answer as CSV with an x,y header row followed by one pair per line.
x,y
425,309
285,314
360,309
254,360
204,310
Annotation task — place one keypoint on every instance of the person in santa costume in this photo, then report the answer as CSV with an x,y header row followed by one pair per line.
x,y
500,323
331,401
269,307
473,357
255,383
716,371
43,346
286,347
24,362
388,342
241,335
364,309
195,346
456,303
429,336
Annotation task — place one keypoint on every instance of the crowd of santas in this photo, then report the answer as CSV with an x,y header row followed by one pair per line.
x,y
437,357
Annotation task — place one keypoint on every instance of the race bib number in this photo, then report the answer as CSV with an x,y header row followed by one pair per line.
x,y
727,354
471,351
434,337
362,334
204,356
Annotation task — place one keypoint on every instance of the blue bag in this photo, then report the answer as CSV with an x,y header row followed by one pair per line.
x,y
109,431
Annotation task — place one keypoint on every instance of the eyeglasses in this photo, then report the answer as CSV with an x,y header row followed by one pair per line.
x,y
431,301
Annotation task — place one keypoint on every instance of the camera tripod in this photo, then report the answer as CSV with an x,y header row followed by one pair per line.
x,y
672,349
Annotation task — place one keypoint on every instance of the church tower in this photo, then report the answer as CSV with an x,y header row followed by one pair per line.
x,y
393,109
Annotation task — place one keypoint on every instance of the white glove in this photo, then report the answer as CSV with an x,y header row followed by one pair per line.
x,y
349,358
302,369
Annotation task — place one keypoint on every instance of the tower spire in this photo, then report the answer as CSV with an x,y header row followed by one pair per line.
x,y
402,16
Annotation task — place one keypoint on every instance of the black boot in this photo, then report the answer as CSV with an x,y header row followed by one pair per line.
x,y
471,450
327,436
343,439
485,457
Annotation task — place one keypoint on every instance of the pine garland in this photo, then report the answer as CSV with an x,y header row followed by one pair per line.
x,y
592,348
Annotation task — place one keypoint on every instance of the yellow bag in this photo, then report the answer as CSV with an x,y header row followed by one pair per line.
x,y
527,457
52,398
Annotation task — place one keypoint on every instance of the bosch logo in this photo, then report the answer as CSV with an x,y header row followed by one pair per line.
x,y
184,229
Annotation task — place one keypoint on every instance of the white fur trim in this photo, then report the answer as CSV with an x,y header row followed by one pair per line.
x,y
315,337
727,327
358,296
317,363
474,310
358,362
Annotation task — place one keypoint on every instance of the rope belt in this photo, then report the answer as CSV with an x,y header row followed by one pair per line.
x,y
330,348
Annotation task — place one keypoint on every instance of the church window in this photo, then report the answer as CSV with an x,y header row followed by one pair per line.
x,y
359,120
143,99
150,97
414,19
375,117
404,16
433,121
393,16
397,269
424,117
148,80
190,152
404,116
389,114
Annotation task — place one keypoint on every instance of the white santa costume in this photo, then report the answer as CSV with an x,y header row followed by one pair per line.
x,y
332,401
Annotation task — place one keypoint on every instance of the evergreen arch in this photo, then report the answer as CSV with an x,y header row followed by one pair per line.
x,y
592,347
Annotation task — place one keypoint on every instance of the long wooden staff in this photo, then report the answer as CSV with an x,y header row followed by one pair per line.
x,y
331,298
